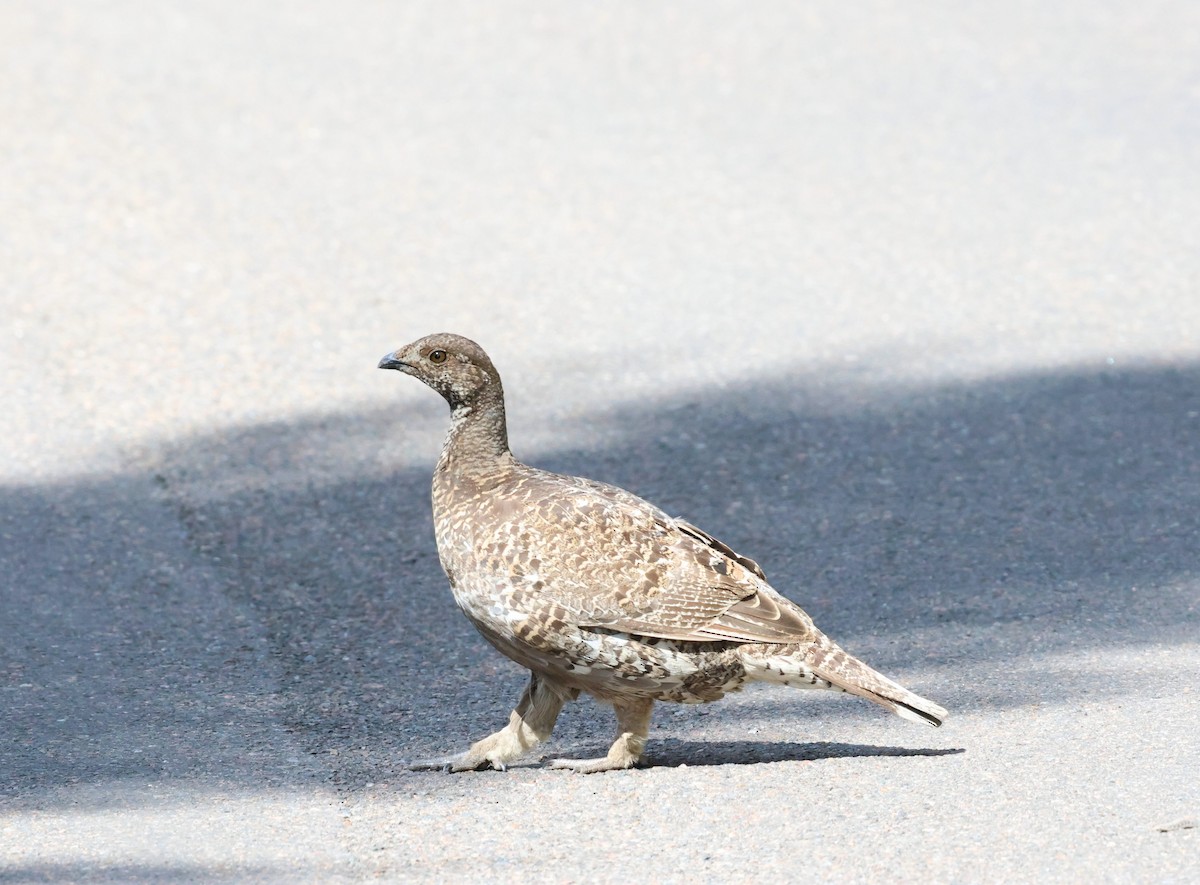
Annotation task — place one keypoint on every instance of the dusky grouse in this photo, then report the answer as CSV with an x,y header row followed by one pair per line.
x,y
595,590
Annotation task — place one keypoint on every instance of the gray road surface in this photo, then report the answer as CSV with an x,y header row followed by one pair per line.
x,y
901,300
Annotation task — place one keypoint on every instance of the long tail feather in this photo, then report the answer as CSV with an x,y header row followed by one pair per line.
x,y
824,665
853,676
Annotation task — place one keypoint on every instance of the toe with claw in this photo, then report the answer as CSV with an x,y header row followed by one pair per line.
x,y
592,766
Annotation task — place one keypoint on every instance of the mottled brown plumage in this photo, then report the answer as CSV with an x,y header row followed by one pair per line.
x,y
593,589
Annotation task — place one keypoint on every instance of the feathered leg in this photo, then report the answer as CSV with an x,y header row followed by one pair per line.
x,y
633,724
530,724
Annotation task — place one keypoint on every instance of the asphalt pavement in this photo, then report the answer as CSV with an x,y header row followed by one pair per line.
x,y
901,301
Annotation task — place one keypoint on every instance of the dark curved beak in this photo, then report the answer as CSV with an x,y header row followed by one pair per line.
x,y
390,362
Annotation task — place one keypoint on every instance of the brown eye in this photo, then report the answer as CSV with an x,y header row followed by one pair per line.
x,y
437,356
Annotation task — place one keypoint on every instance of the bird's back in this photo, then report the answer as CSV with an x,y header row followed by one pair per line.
x,y
607,557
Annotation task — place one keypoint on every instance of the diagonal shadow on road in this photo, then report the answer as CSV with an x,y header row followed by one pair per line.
x,y
235,592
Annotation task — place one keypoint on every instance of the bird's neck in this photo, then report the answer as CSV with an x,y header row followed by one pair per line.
x,y
478,439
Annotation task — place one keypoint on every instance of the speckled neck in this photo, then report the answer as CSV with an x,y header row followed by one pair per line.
x,y
478,438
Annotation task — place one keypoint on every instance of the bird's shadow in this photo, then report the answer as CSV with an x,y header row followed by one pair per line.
x,y
672,753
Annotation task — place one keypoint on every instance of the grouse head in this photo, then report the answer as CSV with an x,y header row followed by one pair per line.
x,y
454,366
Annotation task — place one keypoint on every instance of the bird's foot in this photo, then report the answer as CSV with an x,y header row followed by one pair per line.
x,y
495,751
634,718
467,761
588,766
616,760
